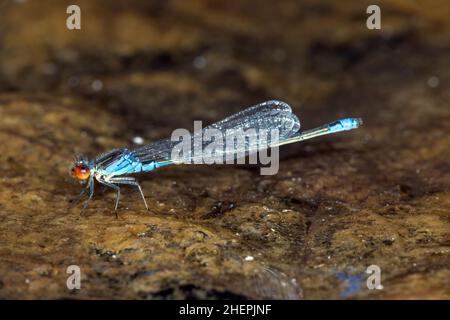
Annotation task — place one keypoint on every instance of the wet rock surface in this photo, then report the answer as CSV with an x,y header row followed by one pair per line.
x,y
377,195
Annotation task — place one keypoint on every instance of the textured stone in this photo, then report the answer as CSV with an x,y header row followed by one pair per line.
x,y
377,195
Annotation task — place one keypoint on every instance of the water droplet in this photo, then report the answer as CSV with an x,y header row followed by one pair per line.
x,y
200,62
138,140
433,82
97,85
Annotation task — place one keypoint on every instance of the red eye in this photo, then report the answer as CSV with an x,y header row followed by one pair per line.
x,y
80,172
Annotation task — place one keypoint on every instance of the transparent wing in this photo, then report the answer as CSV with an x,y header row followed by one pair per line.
x,y
248,128
156,151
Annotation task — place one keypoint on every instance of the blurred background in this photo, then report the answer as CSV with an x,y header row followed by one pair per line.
x,y
377,195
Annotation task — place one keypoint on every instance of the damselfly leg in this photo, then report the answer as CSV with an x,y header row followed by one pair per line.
x,y
132,182
75,201
117,188
91,193
89,187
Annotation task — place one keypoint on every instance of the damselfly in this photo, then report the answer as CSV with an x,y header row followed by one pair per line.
x,y
113,168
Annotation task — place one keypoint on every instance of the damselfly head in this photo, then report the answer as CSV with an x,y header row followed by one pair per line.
x,y
81,170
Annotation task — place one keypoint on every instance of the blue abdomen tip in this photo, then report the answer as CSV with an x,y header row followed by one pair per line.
x,y
351,123
345,124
